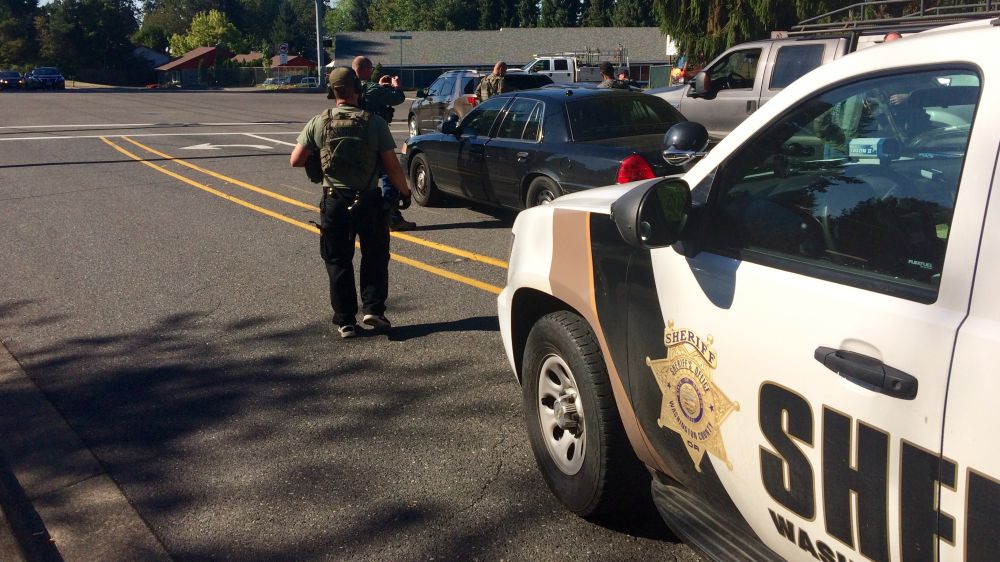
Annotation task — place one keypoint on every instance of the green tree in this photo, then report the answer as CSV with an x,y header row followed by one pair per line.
x,y
597,13
527,13
559,13
490,14
17,34
296,26
632,13
207,29
94,34
347,15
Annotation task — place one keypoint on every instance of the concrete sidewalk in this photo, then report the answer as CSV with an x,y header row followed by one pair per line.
x,y
80,507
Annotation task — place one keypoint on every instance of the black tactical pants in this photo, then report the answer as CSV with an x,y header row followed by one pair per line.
x,y
368,222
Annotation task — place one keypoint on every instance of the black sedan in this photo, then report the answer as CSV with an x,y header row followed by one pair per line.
x,y
11,80
44,77
526,148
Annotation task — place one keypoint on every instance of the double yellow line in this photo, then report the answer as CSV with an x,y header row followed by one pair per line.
x,y
305,226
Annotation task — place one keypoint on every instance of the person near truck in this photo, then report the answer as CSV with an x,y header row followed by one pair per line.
x,y
624,78
355,148
380,97
608,77
493,84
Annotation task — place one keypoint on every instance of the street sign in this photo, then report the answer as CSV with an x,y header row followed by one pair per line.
x,y
283,49
400,37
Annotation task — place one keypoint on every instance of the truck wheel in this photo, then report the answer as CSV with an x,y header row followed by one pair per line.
x,y
414,130
424,191
573,426
541,191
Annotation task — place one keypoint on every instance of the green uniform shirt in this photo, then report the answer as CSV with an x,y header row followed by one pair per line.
x,y
380,99
490,86
379,138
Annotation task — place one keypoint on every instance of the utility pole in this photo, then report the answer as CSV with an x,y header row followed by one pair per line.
x,y
319,49
401,38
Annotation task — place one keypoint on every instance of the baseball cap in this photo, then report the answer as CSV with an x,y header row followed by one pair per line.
x,y
340,76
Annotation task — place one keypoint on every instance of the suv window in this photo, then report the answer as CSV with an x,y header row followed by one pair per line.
x,y
480,120
613,116
448,86
468,85
435,88
793,61
737,70
856,185
517,118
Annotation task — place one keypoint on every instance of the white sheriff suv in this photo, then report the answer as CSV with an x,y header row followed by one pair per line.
x,y
795,337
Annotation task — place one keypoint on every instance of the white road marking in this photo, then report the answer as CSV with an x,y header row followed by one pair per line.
x,y
135,135
210,146
269,140
107,125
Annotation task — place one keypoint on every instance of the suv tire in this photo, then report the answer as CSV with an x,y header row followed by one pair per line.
x,y
590,467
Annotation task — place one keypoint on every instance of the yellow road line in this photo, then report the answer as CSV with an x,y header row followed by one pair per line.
x,y
402,259
472,256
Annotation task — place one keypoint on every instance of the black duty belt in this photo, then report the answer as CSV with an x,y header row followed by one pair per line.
x,y
340,192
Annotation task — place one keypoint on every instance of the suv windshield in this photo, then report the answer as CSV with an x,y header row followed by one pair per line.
x,y
46,71
608,117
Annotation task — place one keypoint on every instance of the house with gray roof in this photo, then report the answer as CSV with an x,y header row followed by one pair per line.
x,y
429,53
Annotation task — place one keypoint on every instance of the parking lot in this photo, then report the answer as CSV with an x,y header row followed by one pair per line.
x,y
163,291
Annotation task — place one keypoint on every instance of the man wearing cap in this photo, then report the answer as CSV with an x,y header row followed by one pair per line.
x,y
356,148
493,84
380,97
623,78
608,77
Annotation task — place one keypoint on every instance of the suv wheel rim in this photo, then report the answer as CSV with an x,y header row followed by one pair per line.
x,y
560,415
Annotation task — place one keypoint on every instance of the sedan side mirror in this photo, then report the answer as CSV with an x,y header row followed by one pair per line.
x,y
450,125
684,142
653,216
421,93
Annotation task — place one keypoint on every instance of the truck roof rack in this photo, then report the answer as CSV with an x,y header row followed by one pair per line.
x,y
593,57
854,21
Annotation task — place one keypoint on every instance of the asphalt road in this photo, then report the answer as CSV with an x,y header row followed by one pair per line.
x,y
163,288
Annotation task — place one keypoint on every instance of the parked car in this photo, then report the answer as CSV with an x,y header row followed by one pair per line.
x,y
11,80
454,93
796,336
526,148
309,82
44,77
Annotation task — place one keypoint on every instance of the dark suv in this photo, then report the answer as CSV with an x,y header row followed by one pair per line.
x,y
454,92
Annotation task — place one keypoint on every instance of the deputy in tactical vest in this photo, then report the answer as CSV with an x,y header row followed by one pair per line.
x,y
355,148
608,77
493,84
379,98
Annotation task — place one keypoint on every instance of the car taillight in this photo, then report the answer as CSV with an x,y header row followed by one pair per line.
x,y
634,168
471,100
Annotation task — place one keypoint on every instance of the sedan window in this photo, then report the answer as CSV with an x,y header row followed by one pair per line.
x,y
516,119
480,120
608,117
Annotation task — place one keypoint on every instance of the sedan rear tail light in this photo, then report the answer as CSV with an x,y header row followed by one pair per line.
x,y
634,168
472,100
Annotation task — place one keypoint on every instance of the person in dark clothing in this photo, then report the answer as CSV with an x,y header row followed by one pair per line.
x,y
380,97
355,147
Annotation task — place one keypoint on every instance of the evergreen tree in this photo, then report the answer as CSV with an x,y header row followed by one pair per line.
x,y
597,13
17,36
490,14
527,13
80,34
632,13
559,13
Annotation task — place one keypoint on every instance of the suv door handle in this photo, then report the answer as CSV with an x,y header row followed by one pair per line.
x,y
868,372
751,106
521,155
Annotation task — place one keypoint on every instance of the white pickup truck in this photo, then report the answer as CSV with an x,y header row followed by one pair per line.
x,y
564,69
796,337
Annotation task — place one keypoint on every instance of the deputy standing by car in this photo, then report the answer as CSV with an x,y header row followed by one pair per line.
x,y
380,97
356,147
492,84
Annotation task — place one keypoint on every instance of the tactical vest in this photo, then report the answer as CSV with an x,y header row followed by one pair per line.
x,y
346,155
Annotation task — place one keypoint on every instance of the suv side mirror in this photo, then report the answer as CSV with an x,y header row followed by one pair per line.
x,y
702,85
653,216
684,142
421,93
450,125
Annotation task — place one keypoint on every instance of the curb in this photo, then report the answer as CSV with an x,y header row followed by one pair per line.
x,y
28,539
54,490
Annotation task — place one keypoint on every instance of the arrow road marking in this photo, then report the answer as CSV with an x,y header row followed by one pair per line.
x,y
210,146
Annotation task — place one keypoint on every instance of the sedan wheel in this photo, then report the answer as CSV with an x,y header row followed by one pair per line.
x,y
542,191
424,191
